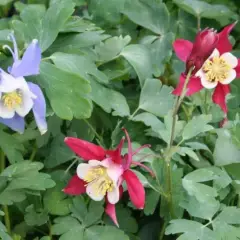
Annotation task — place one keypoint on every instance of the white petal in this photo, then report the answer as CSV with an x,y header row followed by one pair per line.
x,y
114,172
207,84
27,104
113,196
230,78
7,82
215,53
93,193
6,112
200,73
230,59
83,169
94,163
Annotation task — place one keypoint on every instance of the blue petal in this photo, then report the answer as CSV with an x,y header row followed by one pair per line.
x,y
16,123
29,65
39,107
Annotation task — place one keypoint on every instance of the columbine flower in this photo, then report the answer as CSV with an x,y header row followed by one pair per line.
x,y
18,97
103,175
217,70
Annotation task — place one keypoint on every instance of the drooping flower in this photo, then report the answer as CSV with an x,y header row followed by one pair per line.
x,y
218,68
18,97
102,176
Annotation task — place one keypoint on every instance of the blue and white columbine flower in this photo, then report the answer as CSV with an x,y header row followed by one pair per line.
x,y
18,97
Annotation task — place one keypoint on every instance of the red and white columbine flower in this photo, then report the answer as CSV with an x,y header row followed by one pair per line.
x,y
102,176
217,70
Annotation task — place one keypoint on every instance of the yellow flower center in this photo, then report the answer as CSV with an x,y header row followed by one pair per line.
x,y
12,99
99,179
216,69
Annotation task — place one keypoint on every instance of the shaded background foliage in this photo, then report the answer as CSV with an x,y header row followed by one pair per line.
x,y
108,64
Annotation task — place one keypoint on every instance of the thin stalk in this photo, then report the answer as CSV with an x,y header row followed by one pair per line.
x,y
162,233
5,207
134,113
199,23
99,138
169,151
34,151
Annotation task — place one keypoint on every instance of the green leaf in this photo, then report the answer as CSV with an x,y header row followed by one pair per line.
x,y
104,233
161,51
5,2
204,210
79,65
66,92
156,98
191,230
109,14
140,58
45,27
165,133
59,152
3,232
225,152
222,224
56,202
149,120
203,193
153,16
203,9
94,214
22,177
127,222
196,126
68,227
152,199
111,48
78,24
115,101
73,43
13,153
33,218
183,151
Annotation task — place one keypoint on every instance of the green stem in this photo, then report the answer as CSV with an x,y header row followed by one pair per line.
x,y
134,113
170,151
7,219
5,207
99,138
198,23
162,233
33,154
70,166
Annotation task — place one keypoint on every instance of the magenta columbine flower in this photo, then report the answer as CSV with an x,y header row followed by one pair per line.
x,y
18,97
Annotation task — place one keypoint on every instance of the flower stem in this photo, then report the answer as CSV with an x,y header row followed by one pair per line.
x,y
99,138
170,150
5,207
33,154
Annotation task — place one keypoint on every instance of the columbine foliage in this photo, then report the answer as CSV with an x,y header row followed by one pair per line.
x,y
74,74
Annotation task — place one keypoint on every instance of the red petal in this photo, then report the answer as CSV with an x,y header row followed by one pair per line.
x,y
116,154
237,69
135,189
85,149
130,152
193,86
224,44
182,48
76,186
110,210
219,96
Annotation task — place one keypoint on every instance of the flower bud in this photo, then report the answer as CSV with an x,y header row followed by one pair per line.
x,y
205,42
